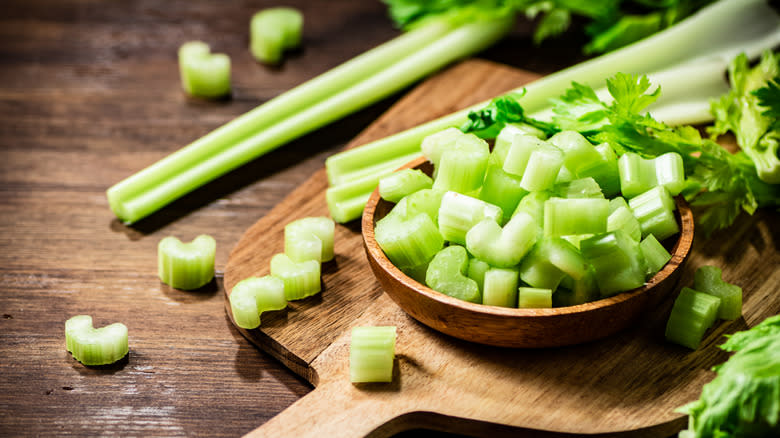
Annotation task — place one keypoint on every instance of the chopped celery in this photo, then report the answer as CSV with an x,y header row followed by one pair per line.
x,y
416,272
500,287
579,188
477,270
434,145
301,279
654,209
617,260
536,161
533,204
549,261
638,175
186,266
708,279
382,167
577,150
502,247
692,314
462,166
253,296
458,213
309,238
622,218
346,201
534,298
425,201
447,274
577,292
203,74
274,30
92,346
371,354
575,216
501,188
604,171
403,182
408,242
654,253
507,136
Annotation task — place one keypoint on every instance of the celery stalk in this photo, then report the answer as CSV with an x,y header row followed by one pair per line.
x,y
92,346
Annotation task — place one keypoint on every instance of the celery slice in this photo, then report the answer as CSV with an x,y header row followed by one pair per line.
x,y
536,161
550,261
577,151
274,30
408,242
434,145
402,183
371,354
477,270
309,238
617,260
416,272
501,188
186,266
458,213
578,188
654,253
301,279
253,296
500,287
426,201
533,204
92,346
604,171
622,218
462,166
575,216
203,74
692,314
502,247
447,274
708,279
638,175
654,209
508,135
577,292
534,298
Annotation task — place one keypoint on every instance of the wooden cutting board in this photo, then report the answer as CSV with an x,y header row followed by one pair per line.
x,y
628,384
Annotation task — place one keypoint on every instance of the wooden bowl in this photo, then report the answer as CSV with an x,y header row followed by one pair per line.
x,y
526,328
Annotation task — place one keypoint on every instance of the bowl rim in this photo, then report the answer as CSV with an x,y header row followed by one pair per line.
x,y
679,252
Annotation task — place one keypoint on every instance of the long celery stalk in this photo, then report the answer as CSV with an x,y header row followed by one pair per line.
x,y
337,93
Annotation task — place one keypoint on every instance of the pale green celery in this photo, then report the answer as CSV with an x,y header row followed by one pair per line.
x,y
577,292
408,242
253,296
536,161
416,272
622,218
617,261
309,238
371,354
372,169
501,189
564,217
347,88
425,201
577,150
654,209
579,188
500,287
502,247
638,175
186,266
654,253
434,145
462,167
92,346
458,213
274,30
708,279
477,270
692,314
447,274
564,176
346,201
533,204
534,298
402,183
575,239
507,136
301,279
604,171
549,261
203,74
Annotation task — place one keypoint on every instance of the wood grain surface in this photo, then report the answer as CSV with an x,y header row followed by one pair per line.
x,y
627,384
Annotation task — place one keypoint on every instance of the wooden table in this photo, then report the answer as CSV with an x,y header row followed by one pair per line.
x,y
89,94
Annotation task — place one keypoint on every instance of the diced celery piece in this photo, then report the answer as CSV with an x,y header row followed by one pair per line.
x,y
575,216
577,292
477,270
434,145
253,296
533,204
447,274
564,176
575,239
617,260
408,242
462,167
638,175
310,238
669,172
274,30
542,169
371,354
186,266
654,209
534,298
501,189
604,171
654,253
507,136
708,279
92,346
692,314
458,213
519,151
425,201
549,261
579,188
403,182
416,272
577,150
500,287
502,247
203,74
622,218
301,279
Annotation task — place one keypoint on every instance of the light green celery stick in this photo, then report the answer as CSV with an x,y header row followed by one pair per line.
x,y
654,209
544,266
346,201
708,279
402,183
500,188
654,253
447,274
564,217
542,169
462,167
92,346
253,296
273,30
507,136
203,74
577,150
534,298
500,287
309,238
692,314
408,242
341,91
458,213
186,266
371,354
425,201
380,167
301,279
502,247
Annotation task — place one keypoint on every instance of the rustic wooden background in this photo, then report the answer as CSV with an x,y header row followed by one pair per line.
x,y
89,94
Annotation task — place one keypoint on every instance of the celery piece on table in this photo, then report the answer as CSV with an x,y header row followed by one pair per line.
x,y
447,273
458,213
309,238
692,314
203,74
708,279
253,296
617,260
301,279
654,253
403,182
408,241
371,354
500,287
534,298
502,247
274,30
91,346
186,266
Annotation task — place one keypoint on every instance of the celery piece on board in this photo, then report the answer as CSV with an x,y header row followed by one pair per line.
x,y
253,296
